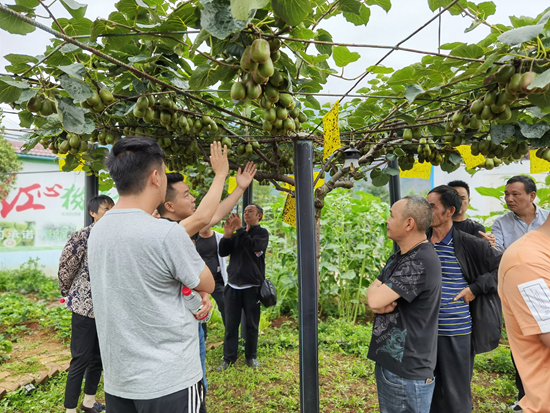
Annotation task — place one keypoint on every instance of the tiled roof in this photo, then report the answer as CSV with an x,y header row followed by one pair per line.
x,y
38,150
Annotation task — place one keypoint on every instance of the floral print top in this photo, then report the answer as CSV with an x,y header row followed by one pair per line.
x,y
73,275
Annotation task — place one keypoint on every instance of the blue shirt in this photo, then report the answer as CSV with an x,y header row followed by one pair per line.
x,y
509,227
454,316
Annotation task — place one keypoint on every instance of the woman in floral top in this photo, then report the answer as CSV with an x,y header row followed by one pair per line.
x,y
74,284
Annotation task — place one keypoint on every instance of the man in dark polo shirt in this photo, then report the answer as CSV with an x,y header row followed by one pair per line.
x,y
406,298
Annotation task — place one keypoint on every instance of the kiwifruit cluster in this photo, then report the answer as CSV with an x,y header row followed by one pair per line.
x,y
66,143
98,101
262,82
496,155
41,105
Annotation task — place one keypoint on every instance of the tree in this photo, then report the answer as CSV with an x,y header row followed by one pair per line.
x,y
137,72
9,166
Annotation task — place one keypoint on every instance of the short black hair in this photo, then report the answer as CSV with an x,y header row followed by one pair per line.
x,y
259,210
460,184
419,209
449,197
172,178
95,202
527,181
130,162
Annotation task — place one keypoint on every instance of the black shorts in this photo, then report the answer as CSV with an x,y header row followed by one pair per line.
x,y
190,400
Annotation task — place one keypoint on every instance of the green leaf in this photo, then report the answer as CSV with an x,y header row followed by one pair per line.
x,y
454,10
293,12
361,19
488,62
381,180
324,36
385,4
541,80
20,58
472,51
25,118
403,76
312,102
455,158
216,18
31,4
203,77
355,121
534,131
26,95
76,9
77,89
8,92
499,133
542,100
241,8
391,171
486,9
13,25
493,192
69,48
379,69
75,70
451,46
75,26
521,34
348,275
342,56
412,91
350,6
71,116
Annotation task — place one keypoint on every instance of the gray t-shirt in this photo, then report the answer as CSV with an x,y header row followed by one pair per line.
x,y
148,340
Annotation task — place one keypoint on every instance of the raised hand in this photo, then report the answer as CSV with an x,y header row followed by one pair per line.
x,y
218,159
245,178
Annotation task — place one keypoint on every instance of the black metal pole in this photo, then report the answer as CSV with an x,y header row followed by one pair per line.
x,y
91,189
395,191
307,277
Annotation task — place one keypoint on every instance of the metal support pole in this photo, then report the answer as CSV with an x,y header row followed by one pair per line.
x,y
91,189
307,277
395,191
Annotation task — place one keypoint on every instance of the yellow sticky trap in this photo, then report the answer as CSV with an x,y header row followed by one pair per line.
x,y
331,131
470,160
420,170
62,163
232,184
319,183
289,211
538,165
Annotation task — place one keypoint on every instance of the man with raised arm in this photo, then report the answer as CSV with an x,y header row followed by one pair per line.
x,y
405,298
138,264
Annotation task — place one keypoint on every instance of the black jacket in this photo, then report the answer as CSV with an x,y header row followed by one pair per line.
x,y
479,264
247,250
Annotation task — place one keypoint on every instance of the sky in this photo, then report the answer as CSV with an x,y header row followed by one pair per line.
x,y
383,28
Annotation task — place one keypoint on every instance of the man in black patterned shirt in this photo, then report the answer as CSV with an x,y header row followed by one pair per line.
x,y
74,284
405,298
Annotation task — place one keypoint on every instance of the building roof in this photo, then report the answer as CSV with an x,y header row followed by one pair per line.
x,y
38,150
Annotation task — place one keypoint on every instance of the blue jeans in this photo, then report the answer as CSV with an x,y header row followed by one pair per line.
x,y
399,395
202,348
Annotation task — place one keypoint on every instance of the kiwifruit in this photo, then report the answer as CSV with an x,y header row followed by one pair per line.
x,y
505,73
238,91
266,69
106,96
259,51
94,100
247,64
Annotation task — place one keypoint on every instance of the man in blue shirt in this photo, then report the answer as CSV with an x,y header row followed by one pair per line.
x,y
470,315
524,216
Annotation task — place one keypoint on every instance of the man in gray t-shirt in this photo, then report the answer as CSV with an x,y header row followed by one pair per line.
x,y
138,264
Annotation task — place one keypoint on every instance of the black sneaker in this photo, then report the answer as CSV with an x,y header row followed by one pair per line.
x,y
98,408
224,366
252,363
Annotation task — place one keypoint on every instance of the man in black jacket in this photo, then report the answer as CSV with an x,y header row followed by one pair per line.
x,y
470,316
246,272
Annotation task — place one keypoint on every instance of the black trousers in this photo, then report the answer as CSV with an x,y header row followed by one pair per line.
x,y
86,360
190,400
519,383
235,301
218,295
453,375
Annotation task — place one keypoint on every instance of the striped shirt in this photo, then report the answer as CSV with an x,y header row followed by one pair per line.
x,y
454,316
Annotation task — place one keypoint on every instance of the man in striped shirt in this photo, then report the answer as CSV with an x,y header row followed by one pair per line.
x,y
470,314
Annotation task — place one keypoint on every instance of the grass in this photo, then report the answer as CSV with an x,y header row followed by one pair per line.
x,y
346,376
